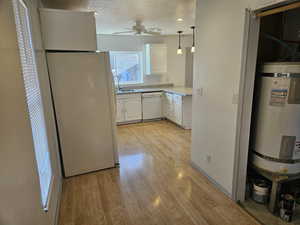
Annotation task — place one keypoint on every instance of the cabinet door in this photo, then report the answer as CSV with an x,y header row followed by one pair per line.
x,y
165,107
169,107
177,100
159,59
133,109
156,59
120,117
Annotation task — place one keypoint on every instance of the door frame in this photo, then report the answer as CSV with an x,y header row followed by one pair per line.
x,y
246,90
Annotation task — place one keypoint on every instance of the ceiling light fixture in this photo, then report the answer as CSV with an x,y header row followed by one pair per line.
x,y
179,50
179,19
193,49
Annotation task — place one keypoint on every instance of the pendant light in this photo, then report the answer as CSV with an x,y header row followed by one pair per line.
x,y
193,49
179,50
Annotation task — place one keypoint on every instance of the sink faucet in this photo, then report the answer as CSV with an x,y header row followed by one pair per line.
x,y
117,79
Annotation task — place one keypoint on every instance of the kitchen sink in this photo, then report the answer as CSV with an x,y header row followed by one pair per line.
x,y
127,90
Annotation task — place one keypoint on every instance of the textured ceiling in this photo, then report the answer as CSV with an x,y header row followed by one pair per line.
x,y
117,15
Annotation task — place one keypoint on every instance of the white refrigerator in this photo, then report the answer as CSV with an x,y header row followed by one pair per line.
x,y
83,96
82,89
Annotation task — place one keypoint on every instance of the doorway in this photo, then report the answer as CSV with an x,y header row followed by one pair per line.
x,y
272,38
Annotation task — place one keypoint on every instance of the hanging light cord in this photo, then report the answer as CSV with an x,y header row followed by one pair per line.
x,y
193,27
179,38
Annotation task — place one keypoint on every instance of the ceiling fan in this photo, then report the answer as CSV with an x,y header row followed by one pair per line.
x,y
140,29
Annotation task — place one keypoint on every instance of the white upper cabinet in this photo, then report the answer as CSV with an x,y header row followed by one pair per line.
x,y
68,30
260,4
156,59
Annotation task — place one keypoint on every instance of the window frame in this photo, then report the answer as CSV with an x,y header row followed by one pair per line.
x,y
141,63
45,194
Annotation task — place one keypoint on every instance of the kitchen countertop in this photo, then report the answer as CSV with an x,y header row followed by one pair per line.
x,y
183,91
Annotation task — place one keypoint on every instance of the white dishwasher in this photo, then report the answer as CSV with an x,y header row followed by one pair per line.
x,y
152,105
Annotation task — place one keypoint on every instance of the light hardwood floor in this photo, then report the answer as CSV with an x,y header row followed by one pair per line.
x,y
155,185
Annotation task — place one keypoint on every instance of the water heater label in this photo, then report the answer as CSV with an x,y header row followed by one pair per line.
x,y
297,149
279,91
278,97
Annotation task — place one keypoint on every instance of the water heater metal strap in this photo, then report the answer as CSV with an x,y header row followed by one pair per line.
x,y
287,147
290,161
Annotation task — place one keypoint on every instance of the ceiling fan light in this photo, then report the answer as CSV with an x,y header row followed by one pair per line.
x,y
179,51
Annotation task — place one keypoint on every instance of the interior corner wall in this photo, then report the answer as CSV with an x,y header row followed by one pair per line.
x,y
217,71
20,202
176,63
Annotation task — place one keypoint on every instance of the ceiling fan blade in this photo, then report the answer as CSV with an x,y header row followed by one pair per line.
x,y
154,29
152,32
124,32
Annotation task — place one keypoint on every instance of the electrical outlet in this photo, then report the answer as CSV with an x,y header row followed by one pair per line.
x,y
208,158
199,91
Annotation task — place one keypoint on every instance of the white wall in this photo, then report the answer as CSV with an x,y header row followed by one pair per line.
x,y
220,28
20,202
176,64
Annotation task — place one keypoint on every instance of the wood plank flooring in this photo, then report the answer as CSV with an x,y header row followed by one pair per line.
x,y
155,185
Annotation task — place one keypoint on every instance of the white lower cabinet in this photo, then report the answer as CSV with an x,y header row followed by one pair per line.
x,y
178,109
174,107
129,108
168,106
177,101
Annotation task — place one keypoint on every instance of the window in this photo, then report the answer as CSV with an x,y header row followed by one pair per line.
x,y
34,100
127,67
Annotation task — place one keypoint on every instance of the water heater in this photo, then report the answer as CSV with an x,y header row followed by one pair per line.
x,y
276,125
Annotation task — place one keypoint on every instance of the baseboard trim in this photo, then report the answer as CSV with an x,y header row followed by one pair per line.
x,y
152,120
213,181
128,122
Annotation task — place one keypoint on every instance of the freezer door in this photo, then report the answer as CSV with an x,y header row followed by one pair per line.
x,y
68,30
82,100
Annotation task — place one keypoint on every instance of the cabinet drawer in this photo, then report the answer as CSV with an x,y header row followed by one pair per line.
x,y
129,96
